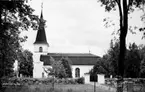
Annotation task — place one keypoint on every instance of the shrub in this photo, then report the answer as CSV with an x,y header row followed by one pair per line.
x,y
46,81
80,80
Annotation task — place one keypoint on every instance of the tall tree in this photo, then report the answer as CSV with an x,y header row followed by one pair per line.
x,y
15,16
132,63
108,63
142,64
142,69
124,7
26,63
58,69
99,67
67,66
114,56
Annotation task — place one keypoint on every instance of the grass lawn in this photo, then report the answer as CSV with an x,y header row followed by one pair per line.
x,y
58,88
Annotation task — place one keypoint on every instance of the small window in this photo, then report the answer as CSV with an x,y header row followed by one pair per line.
x,y
42,75
77,72
40,49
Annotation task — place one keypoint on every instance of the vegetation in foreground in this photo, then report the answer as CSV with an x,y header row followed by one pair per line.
x,y
134,65
57,88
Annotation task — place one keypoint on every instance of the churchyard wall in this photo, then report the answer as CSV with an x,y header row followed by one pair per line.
x,y
136,84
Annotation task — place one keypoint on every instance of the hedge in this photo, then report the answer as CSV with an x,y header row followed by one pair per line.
x,y
46,81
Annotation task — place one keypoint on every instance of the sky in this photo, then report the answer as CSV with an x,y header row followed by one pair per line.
x,y
76,26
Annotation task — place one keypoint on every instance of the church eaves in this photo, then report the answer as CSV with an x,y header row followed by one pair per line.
x,y
41,36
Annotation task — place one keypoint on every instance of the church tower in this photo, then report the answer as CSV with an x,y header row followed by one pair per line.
x,y
40,44
40,48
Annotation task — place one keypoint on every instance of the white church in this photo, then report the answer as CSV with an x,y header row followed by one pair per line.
x,y
81,62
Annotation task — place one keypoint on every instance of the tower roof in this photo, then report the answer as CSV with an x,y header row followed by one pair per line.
x,y
41,36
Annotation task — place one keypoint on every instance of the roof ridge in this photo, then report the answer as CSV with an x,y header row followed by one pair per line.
x,y
72,54
69,53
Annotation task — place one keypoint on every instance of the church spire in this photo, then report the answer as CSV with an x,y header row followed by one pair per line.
x,y
41,17
41,36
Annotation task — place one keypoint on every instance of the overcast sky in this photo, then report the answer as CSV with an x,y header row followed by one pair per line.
x,y
76,26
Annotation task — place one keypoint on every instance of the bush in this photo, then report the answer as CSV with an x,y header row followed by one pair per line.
x,y
66,81
46,81
80,80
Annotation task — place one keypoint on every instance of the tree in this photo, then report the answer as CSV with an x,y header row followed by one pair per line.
x,y
124,7
15,16
142,69
26,63
67,66
108,63
58,68
142,64
132,63
98,68
114,56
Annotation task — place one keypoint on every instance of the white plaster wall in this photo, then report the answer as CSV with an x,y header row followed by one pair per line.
x,y
87,78
38,65
83,69
36,57
44,46
46,74
101,78
38,69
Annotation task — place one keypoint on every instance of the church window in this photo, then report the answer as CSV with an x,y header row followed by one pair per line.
x,y
77,72
40,49
42,75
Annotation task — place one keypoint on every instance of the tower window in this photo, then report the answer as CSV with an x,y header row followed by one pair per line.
x,y
42,75
77,72
40,49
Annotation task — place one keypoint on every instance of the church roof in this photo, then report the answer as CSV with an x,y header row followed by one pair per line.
x,y
76,58
41,36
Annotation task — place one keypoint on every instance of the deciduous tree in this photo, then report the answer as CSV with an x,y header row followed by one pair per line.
x,y
132,63
99,68
124,7
58,68
26,63
142,64
15,16
67,66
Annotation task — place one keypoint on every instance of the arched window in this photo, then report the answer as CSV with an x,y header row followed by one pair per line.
x,y
40,49
77,72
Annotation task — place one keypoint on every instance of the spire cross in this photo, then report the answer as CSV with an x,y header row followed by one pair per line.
x,y
41,16
42,5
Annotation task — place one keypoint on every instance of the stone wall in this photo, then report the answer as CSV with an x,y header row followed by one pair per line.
x,y
135,84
